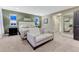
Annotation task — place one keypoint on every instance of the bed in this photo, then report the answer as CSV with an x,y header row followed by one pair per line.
x,y
24,27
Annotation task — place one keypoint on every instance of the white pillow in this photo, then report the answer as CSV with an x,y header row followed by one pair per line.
x,y
43,30
35,31
24,26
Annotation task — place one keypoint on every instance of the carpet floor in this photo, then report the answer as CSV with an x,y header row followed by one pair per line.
x,y
59,44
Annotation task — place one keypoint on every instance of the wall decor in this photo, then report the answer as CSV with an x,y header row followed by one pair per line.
x,y
45,20
37,21
12,18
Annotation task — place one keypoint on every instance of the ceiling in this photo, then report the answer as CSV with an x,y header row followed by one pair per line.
x,y
37,10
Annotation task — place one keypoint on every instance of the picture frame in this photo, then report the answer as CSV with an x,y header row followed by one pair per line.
x,y
36,21
46,21
12,17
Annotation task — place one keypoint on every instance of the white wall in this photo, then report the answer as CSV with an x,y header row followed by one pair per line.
x,y
54,23
50,25
1,24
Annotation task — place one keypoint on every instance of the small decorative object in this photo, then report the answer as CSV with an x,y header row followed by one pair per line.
x,y
45,20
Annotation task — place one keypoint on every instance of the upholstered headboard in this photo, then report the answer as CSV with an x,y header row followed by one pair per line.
x,y
26,24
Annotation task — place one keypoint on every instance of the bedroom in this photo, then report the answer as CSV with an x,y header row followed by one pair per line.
x,y
39,27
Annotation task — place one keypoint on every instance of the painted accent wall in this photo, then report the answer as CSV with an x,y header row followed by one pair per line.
x,y
20,17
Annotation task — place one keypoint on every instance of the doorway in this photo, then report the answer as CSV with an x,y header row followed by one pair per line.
x,y
57,23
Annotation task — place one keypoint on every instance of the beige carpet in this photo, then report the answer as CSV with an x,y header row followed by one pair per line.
x,y
59,44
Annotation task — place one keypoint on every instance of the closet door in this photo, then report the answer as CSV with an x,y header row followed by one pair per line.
x,y
76,25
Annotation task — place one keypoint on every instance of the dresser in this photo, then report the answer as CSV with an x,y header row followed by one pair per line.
x,y
13,31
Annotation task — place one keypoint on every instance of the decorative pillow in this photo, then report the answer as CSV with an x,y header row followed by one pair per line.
x,y
35,31
43,30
